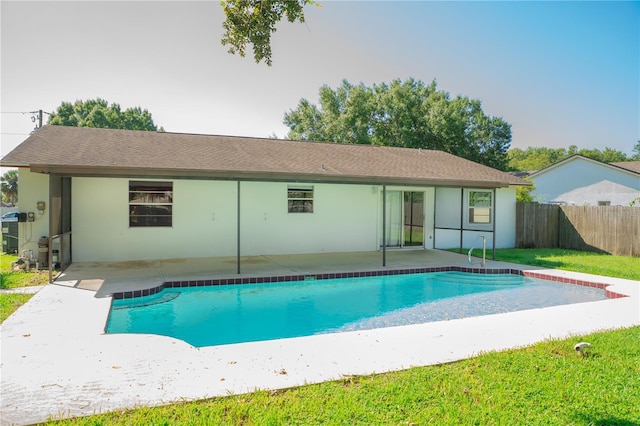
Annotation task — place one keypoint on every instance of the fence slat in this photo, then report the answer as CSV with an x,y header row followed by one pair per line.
x,y
609,229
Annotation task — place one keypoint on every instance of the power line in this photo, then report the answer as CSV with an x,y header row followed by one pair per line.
x,y
36,116
24,112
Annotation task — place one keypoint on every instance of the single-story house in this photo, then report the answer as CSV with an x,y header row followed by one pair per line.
x,y
582,181
118,195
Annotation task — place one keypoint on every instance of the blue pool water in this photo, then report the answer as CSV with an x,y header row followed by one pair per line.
x,y
207,316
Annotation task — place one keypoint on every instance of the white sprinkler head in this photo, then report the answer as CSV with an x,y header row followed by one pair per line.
x,y
580,347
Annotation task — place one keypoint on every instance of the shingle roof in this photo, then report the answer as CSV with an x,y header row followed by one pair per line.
x,y
80,151
632,166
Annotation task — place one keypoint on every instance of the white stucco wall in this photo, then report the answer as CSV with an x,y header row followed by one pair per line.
x,y
345,218
32,187
205,221
580,181
204,217
505,217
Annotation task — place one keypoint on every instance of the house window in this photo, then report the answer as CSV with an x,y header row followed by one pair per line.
x,y
479,207
300,200
150,203
604,203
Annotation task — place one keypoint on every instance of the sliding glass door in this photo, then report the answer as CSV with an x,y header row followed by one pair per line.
x,y
394,219
404,219
413,219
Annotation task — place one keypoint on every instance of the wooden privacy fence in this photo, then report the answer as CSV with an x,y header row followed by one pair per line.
x,y
609,229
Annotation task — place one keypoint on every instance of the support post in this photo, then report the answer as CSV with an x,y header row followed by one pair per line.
x,y
435,209
384,225
461,216
495,209
238,229
484,252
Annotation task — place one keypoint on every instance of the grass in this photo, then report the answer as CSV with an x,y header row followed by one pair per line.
x,y
10,279
546,384
569,260
9,303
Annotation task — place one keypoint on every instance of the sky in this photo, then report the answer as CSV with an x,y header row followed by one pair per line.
x,y
561,73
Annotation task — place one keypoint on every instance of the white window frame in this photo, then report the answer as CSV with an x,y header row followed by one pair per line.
x,y
477,207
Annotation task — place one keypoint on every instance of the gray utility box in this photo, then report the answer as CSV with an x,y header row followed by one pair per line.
x,y
10,237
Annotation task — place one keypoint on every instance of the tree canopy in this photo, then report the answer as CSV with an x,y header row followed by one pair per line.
x,y
254,21
9,186
536,158
98,113
408,114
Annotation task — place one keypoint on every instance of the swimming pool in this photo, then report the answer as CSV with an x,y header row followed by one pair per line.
x,y
208,316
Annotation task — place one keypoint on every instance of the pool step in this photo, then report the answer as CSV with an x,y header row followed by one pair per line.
x,y
480,279
138,302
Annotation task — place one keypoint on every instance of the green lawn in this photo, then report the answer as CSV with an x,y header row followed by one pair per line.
x,y
10,302
546,384
9,279
570,260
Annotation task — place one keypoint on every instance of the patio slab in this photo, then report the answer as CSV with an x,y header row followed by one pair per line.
x,y
57,362
109,277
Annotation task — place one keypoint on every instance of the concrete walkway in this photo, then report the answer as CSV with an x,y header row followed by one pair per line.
x,y
22,290
57,362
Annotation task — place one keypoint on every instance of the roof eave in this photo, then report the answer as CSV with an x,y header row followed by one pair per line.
x,y
151,173
13,164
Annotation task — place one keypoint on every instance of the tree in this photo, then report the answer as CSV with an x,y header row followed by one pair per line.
x,y
98,113
253,22
9,186
408,114
636,152
609,155
536,158
523,193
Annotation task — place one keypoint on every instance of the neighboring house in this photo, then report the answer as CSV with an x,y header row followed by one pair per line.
x,y
579,180
120,195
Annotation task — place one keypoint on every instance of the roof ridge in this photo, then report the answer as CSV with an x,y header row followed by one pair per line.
x,y
262,138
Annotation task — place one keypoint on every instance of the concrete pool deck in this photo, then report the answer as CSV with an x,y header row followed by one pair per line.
x,y
57,362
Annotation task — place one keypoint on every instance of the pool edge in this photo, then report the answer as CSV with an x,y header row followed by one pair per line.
x,y
336,275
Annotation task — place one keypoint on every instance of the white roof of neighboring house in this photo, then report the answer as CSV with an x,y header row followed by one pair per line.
x,y
632,167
